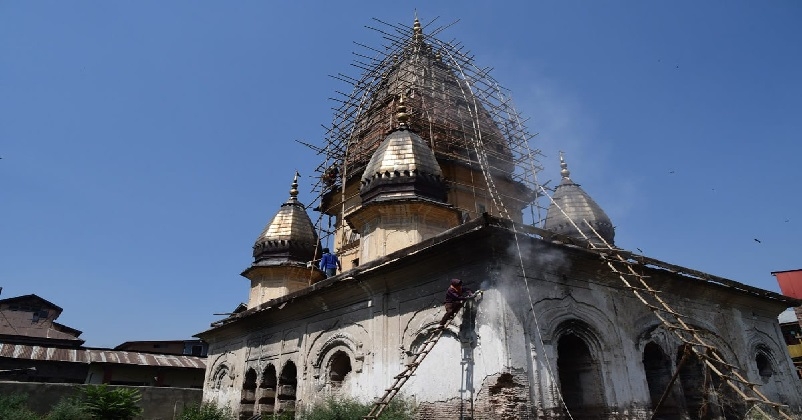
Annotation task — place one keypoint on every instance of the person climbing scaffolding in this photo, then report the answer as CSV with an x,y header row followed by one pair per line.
x,y
456,295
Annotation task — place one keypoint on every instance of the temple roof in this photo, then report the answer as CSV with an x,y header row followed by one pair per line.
x,y
402,152
444,110
290,235
572,206
403,166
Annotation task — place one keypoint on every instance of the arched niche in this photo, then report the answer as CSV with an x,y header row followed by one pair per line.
x,y
266,392
579,370
287,388
337,342
338,367
658,369
221,378
248,394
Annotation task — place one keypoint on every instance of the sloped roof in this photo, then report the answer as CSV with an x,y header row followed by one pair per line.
x,y
20,324
31,298
88,355
489,225
29,318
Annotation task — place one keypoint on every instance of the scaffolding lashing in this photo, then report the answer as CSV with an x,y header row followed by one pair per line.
x,y
456,106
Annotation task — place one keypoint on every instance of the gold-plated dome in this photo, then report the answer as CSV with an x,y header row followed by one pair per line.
x,y
403,166
290,235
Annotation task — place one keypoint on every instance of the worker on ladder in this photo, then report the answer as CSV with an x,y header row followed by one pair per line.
x,y
456,296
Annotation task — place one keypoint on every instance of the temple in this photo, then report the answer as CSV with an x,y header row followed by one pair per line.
x,y
428,175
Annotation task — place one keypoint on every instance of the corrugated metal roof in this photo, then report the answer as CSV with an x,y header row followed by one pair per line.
x,y
84,355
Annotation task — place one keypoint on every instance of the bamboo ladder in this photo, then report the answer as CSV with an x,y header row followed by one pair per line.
x,y
409,370
703,350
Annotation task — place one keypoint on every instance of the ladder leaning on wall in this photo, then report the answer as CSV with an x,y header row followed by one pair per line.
x,y
676,323
409,369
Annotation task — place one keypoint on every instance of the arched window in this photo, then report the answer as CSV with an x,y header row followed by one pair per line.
x,y
339,367
580,377
248,395
266,394
764,367
657,367
287,384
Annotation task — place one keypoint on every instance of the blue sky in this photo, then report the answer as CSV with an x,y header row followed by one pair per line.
x,y
145,145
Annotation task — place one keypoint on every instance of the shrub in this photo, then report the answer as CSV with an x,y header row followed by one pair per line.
x,y
68,409
104,403
12,407
337,410
399,409
348,409
206,411
286,415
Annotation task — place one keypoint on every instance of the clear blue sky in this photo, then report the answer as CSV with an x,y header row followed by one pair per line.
x,y
145,144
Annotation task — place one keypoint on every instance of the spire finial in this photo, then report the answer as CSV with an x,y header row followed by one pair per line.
x,y
402,115
566,174
417,32
294,189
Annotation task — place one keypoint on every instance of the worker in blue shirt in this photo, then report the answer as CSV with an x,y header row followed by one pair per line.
x,y
329,263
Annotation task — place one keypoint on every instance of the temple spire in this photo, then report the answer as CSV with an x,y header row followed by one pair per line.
x,y
566,174
401,114
294,188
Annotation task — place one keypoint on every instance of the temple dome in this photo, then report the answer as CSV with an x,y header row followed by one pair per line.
x,y
290,236
577,206
446,111
403,166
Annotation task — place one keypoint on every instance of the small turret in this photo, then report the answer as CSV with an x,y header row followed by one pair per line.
x,y
575,205
403,194
282,252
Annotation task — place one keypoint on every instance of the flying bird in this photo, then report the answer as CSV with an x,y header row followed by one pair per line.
x,y
757,240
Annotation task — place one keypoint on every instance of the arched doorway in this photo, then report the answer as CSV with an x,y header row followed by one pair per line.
x,y
657,366
266,394
248,395
580,378
287,384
